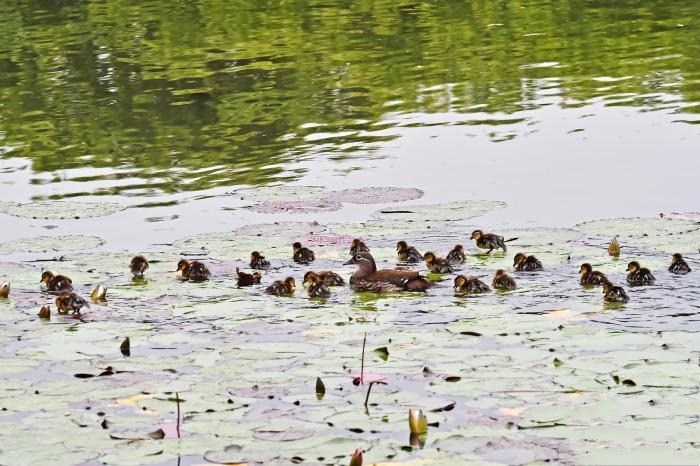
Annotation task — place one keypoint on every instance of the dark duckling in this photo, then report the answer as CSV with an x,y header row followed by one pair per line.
x,y
302,255
489,241
368,278
638,275
503,281
5,290
56,282
358,246
194,271
408,253
258,261
590,277
247,279
316,289
138,266
456,256
437,264
69,301
523,263
282,287
678,265
614,294
470,285
327,277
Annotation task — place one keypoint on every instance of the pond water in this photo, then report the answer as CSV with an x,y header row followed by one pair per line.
x,y
189,128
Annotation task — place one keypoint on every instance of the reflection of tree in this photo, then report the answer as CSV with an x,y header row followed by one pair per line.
x,y
223,92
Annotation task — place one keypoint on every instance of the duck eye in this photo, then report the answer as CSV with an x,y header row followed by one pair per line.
x,y
358,257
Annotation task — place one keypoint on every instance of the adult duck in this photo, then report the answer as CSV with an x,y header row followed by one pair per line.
x,y
368,278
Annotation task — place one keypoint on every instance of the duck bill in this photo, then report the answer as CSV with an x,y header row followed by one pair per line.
x,y
349,262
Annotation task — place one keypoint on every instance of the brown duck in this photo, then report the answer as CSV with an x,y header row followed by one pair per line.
x,y
614,294
638,275
437,264
316,288
590,277
456,256
503,281
490,241
282,287
194,271
56,282
302,255
358,246
523,263
5,290
678,265
327,277
464,284
408,253
258,261
368,278
247,279
69,301
138,266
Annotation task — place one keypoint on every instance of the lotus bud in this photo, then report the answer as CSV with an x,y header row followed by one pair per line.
x,y
614,248
417,421
45,312
99,293
5,290
357,458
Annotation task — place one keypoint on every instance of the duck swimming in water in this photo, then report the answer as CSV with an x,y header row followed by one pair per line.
x,y
456,256
327,277
194,271
247,279
590,277
614,294
678,265
523,263
138,266
302,255
368,278
489,241
56,282
358,246
470,285
638,275
316,287
282,287
69,301
614,247
407,253
258,261
5,290
503,281
437,264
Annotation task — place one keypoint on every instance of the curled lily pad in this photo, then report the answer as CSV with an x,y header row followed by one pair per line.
x,y
59,210
51,244
375,195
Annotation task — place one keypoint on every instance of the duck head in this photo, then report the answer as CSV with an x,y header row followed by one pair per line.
x,y
401,245
256,255
5,290
633,266
289,281
585,268
429,257
476,234
519,257
364,261
459,248
296,246
46,277
677,257
460,281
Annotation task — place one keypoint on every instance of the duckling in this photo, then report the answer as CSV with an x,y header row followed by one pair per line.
x,y
282,287
503,281
523,263
489,241
327,277
408,253
470,285
678,265
614,294
5,290
302,255
258,261
69,301
56,282
194,271
368,278
316,287
589,277
138,266
638,275
614,247
437,264
247,279
456,256
358,246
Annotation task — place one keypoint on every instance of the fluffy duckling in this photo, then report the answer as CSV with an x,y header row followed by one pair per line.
x,y
523,263
408,253
638,275
302,255
258,261
456,256
614,247
437,264
590,277
358,246
138,266
327,277
503,281
194,271
282,287
678,265
69,301
368,278
316,289
614,294
470,285
489,241
247,279
56,282
5,290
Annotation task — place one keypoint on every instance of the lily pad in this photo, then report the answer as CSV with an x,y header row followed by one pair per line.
x,y
375,195
59,210
51,244
438,213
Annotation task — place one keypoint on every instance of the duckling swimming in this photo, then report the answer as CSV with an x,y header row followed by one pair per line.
x,y
408,253
194,271
489,241
503,281
368,278
523,263
316,287
456,256
614,294
678,265
470,285
5,290
358,246
327,277
56,282
302,255
614,247
138,266
247,279
437,264
258,261
589,277
282,287
638,275
69,301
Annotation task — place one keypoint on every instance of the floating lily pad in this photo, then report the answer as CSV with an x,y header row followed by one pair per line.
x,y
438,213
659,234
297,207
375,195
51,244
280,193
59,210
